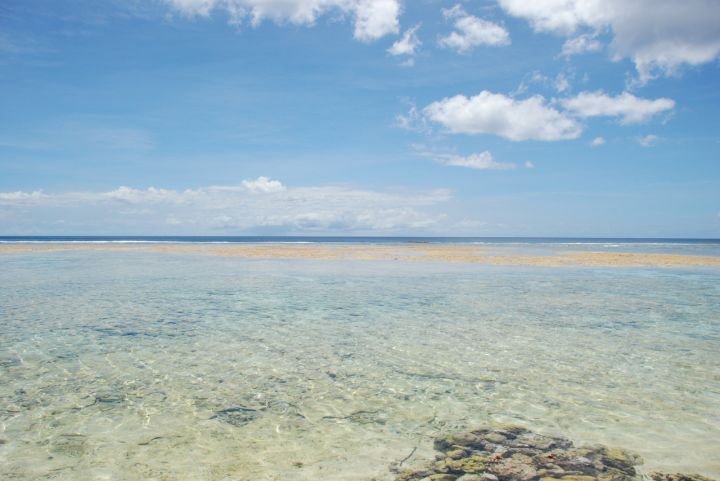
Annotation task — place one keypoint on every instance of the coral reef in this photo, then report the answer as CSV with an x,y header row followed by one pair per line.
x,y
512,453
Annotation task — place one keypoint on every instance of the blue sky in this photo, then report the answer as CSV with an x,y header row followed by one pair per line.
x,y
360,117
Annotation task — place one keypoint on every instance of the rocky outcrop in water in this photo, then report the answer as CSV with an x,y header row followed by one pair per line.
x,y
512,453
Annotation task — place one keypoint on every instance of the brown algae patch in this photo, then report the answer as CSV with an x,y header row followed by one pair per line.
x,y
435,253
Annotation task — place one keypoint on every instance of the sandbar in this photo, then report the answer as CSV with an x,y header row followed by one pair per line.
x,y
403,252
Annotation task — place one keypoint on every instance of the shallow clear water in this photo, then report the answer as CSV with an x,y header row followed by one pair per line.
x,y
134,366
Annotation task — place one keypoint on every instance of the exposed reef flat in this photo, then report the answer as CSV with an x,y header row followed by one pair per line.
x,y
411,252
512,453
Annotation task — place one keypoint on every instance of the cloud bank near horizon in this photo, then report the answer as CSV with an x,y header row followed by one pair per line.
x,y
255,205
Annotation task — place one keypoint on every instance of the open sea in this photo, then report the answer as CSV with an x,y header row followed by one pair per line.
x,y
139,365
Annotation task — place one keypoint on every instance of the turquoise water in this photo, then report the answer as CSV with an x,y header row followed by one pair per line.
x,y
137,365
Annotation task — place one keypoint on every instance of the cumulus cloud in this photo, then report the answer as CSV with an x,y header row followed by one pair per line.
x,y
532,118
373,18
491,113
258,204
658,36
629,108
563,16
263,185
376,18
648,140
407,44
471,31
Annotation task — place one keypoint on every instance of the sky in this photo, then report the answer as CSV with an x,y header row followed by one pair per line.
x,y
596,118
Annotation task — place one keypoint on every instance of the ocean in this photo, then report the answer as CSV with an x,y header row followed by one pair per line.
x,y
137,365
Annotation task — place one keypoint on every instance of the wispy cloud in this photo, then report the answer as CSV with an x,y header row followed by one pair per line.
x,y
581,44
482,161
648,140
561,83
10,45
98,134
478,161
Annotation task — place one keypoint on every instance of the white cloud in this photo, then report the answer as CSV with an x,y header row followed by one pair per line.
x,y
534,77
414,121
19,196
648,140
490,113
254,204
561,83
581,44
263,185
407,44
563,16
471,31
482,161
659,36
597,142
134,196
373,18
194,7
629,108
529,164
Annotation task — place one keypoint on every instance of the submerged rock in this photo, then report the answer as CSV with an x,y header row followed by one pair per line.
x,y
109,397
71,445
361,417
367,417
10,361
677,477
237,416
513,453
283,408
